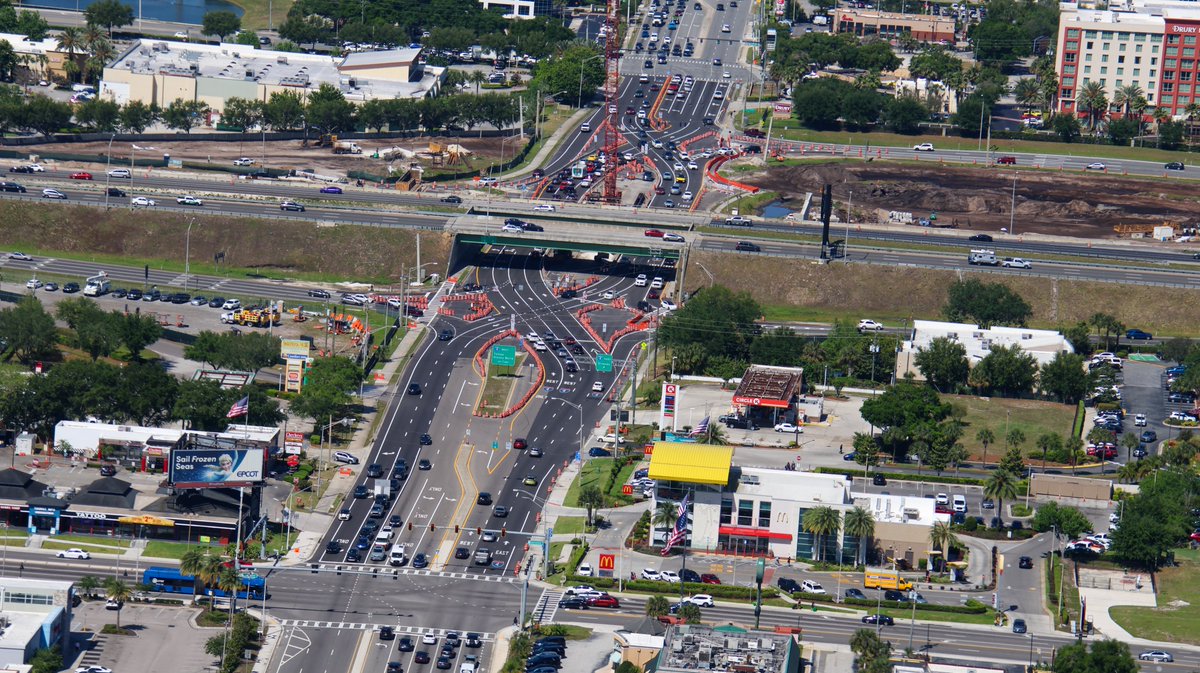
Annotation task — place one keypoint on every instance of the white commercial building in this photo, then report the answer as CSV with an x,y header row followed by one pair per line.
x,y
163,71
34,615
1042,344
146,449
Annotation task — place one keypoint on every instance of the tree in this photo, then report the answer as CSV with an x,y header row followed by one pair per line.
x,y
49,660
818,103
871,653
1177,349
32,25
136,332
1068,521
243,113
860,523
1000,486
221,24
1107,326
109,14
943,364
1156,519
942,538
665,515
28,329
1122,131
591,499
118,591
328,111
1013,461
1008,370
1110,656
997,42
985,436
88,585
137,116
866,450
1092,101
719,320
987,303
246,37
689,613
562,74
285,111
1064,378
100,114
657,606
903,411
971,110
184,115
819,522
905,114
1171,134
935,62
44,115
1049,442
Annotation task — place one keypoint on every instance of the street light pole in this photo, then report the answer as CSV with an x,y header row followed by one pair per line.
x,y
187,253
107,167
1012,211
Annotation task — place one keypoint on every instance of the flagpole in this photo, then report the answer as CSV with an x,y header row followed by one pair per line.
x,y
684,541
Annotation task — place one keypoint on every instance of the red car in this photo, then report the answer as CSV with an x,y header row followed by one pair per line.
x,y
709,578
1010,161
655,233
81,176
660,191
604,601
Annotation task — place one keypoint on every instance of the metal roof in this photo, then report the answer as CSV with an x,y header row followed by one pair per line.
x,y
691,463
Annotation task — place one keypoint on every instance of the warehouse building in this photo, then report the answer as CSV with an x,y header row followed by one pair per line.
x,y
163,71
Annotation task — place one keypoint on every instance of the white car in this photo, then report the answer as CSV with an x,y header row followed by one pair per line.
x,y
669,305
20,256
429,639
597,387
641,280
1181,416
1096,166
581,589
669,576
702,600
1017,263
787,427
610,438
923,147
725,28
869,326
687,196
544,208
1156,655
33,284
37,168
181,35
232,304
651,574
811,587
141,201
73,553
244,161
726,75
1140,420
584,570
53,194
693,166
188,200
119,173
673,238
941,499
512,229
609,294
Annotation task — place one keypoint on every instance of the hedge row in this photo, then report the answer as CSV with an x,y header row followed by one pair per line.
x,y
650,587
971,608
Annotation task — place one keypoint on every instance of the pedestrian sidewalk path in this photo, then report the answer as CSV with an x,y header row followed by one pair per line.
x,y
542,156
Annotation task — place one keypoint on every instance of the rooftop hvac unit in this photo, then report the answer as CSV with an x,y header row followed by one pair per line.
x,y
249,73
751,644
767,644
677,645
731,643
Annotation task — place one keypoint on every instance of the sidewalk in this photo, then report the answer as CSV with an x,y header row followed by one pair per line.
x,y
550,146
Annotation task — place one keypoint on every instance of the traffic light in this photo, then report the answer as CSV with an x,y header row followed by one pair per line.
x,y
432,528
456,529
503,532
479,530
410,525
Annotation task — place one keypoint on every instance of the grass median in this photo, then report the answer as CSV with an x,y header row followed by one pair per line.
x,y
1177,616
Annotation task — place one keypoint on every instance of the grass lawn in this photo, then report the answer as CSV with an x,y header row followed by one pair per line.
x,y
175,550
93,540
1032,417
568,631
593,473
1070,592
90,548
570,525
1177,617
259,12
498,390
556,549
904,615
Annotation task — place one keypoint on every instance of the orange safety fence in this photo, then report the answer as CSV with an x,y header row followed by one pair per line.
x,y
481,366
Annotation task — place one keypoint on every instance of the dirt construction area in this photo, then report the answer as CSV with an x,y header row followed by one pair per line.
x,y
1064,204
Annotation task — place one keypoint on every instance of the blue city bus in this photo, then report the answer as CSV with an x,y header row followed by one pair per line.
x,y
171,581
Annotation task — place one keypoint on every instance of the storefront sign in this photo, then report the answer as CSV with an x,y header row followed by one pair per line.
x,y
43,511
293,442
748,401
667,411
294,349
146,520
90,515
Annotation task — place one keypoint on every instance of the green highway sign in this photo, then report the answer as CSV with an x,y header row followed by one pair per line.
x,y
604,363
504,356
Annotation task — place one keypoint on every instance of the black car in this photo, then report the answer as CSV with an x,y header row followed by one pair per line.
x,y
420,561
354,556
375,470
361,491
421,658
394,667
113,191
747,246
893,595
426,440
70,288
689,575
879,480
1025,563
405,645
334,547
424,464
363,542
445,335
462,553
215,302
370,527
451,199
394,520
387,633
1181,397
855,593
597,452
319,294
787,584
414,389
11,187
980,237
878,619
20,169
484,498
1174,166
135,295
443,663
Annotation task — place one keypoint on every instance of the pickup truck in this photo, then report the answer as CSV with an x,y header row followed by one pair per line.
x,y
1016,263
739,221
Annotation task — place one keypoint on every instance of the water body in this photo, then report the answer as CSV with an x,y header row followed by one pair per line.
x,y
181,11
776,210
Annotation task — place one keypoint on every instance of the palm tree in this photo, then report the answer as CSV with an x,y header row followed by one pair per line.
x,y
1074,447
985,436
1092,98
821,521
1129,472
193,563
70,39
1027,92
592,499
118,591
1046,443
1192,110
942,537
860,523
477,77
1001,486
665,515
1130,442
1014,438
88,585
714,435
229,581
689,613
657,606
1126,97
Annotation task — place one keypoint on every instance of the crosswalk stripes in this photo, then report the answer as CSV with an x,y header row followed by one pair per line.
x,y
385,570
363,626
547,606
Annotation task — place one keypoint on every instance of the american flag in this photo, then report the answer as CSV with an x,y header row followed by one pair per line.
x,y
679,532
239,408
701,428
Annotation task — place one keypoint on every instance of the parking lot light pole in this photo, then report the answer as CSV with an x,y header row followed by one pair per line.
x,y
107,166
187,251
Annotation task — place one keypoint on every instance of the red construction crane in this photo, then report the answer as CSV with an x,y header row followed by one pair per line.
x,y
612,88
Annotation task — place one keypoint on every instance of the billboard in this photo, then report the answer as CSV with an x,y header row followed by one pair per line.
x,y
217,468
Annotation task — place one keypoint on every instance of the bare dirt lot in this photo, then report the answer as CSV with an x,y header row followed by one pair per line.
x,y
1064,204
292,153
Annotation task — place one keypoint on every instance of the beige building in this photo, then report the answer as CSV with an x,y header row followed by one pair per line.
x,y
902,525
1071,490
925,28
163,71
42,58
